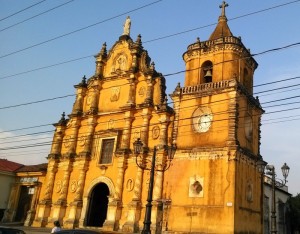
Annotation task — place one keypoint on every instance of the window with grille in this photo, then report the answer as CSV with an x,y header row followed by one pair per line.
x,y
107,151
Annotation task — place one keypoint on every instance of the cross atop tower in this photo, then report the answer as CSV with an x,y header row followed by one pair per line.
x,y
223,5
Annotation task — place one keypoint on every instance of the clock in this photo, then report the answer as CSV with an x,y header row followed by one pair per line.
x,y
204,122
202,119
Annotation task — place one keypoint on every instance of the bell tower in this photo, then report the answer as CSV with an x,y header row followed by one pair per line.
x,y
217,130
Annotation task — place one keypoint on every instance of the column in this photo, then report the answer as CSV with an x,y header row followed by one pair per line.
x,y
134,207
81,91
87,149
71,142
149,93
58,137
132,90
115,203
125,143
76,205
94,90
44,206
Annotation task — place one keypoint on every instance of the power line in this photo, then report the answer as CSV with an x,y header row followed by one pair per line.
x,y
78,30
22,10
212,24
175,34
34,102
121,119
70,95
48,66
19,129
23,21
175,73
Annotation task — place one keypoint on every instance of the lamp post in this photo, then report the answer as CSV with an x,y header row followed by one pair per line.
x,y
276,184
138,149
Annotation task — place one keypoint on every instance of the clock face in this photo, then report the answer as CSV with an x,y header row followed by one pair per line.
x,y
202,119
204,122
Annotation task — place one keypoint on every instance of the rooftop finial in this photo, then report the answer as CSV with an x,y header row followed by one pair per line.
x,y
223,5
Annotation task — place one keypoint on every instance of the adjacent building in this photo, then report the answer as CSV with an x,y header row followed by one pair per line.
x,y
23,193
7,179
281,207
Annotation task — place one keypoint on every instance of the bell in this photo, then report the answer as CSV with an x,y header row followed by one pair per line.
x,y
208,76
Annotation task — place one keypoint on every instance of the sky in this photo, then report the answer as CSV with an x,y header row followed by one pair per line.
x,y
47,46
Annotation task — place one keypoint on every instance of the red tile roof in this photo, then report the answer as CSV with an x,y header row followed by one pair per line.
x,y
9,166
33,168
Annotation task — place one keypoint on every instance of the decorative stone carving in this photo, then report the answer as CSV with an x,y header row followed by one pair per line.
x,y
129,184
196,186
89,100
120,63
71,123
82,140
115,94
111,124
136,134
142,91
67,141
58,186
155,132
73,186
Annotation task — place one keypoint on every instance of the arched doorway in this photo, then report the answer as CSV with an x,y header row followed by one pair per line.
x,y
98,202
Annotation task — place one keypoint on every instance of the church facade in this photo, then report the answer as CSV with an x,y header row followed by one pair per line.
x,y
212,184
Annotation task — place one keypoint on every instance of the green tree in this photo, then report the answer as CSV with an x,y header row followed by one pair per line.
x,y
294,213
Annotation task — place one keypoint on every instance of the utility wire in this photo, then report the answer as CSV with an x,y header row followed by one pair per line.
x,y
78,30
34,102
84,57
175,34
48,66
13,25
212,24
170,74
22,10
19,129
94,137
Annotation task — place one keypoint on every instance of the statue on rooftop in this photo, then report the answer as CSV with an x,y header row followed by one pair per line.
x,y
127,26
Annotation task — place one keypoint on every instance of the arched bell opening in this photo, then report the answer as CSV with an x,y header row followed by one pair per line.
x,y
207,72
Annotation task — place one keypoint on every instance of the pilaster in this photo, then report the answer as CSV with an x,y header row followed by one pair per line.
x,y
44,206
115,204
58,209
134,207
75,207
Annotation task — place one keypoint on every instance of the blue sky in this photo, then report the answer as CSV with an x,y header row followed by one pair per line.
x,y
96,22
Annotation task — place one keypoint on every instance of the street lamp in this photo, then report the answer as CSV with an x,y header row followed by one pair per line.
x,y
276,183
138,149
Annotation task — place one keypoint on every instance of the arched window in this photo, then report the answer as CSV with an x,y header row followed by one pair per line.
x,y
207,72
